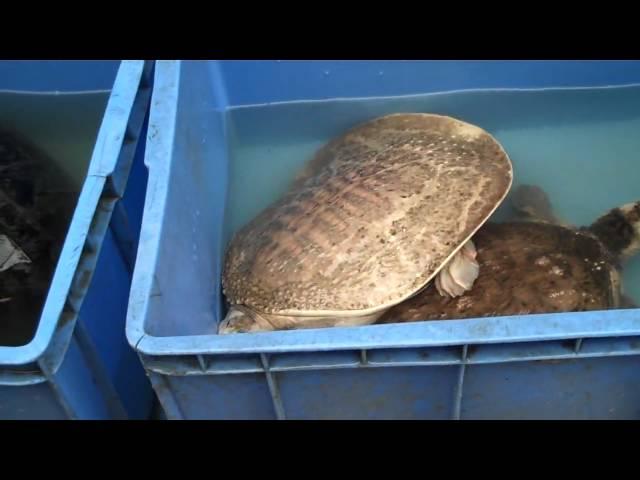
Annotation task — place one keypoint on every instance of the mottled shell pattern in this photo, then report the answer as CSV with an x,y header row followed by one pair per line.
x,y
372,219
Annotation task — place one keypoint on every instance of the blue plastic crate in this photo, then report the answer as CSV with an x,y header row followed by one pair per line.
x,y
79,364
577,365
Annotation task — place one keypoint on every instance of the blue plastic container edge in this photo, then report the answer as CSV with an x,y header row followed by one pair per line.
x,y
122,121
159,148
541,327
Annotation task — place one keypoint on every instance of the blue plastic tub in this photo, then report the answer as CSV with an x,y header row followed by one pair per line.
x,y
78,364
578,365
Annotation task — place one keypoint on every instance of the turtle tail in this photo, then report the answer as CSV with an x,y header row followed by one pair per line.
x,y
619,230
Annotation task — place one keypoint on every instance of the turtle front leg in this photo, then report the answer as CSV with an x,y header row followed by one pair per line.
x,y
459,275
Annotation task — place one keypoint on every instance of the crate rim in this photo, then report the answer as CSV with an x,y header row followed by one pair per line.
x,y
487,330
505,329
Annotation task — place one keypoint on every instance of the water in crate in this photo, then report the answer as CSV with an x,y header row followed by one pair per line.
x,y
46,142
579,146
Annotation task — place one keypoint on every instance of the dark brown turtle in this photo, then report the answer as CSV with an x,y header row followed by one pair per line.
x,y
538,265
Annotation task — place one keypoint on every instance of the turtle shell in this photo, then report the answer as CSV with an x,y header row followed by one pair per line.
x,y
375,215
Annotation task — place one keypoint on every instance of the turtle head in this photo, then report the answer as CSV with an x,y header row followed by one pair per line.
x,y
532,203
241,319
619,230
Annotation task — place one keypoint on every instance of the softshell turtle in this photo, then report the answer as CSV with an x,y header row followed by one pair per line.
x,y
538,264
373,218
